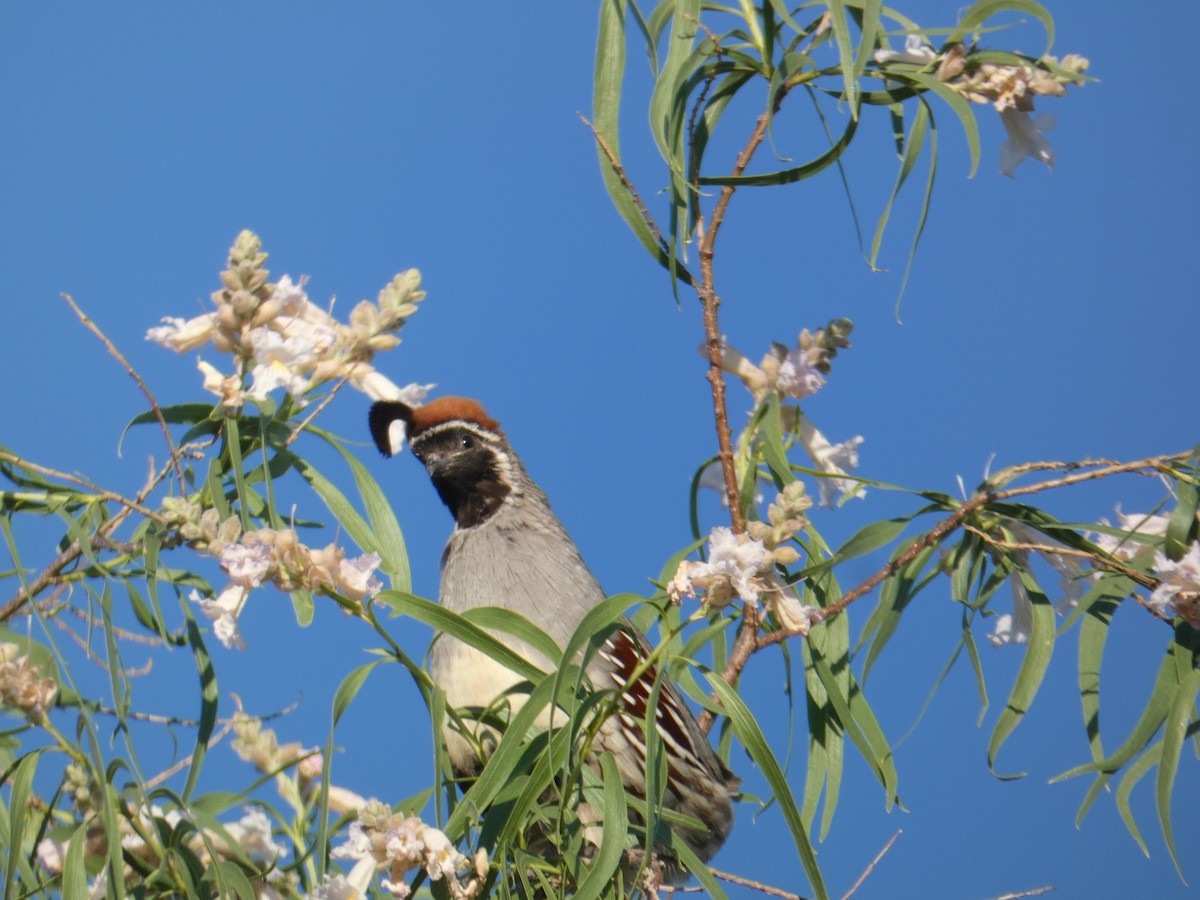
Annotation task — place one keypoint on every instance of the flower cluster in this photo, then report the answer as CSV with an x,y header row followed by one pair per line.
x,y
384,841
1009,87
797,373
23,686
744,565
1178,591
280,339
265,555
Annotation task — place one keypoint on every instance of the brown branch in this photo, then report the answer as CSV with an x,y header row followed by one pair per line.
x,y
871,866
112,348
628,185
1153,463
756,885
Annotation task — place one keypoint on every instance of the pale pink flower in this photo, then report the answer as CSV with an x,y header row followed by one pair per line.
x,y
356,577
1026,139
224,611
247,564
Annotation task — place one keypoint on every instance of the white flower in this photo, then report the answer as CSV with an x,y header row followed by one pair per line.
x,y
1026,138
180,335
282,362
737,565
247,564
1014,628
738,560
1179,588
227,387
336,888
442,858
51,855
291,296
253,833
224,611
796,377
833,459
915,51
793,615
1139,527
356,577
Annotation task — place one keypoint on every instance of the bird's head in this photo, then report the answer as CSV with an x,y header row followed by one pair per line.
x,y
462,448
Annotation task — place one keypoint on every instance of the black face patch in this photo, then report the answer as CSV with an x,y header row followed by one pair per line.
x,y
466,471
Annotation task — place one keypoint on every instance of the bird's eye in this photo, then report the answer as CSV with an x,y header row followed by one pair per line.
x,y
467,442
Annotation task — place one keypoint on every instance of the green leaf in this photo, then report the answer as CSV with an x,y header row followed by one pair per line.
x,y
1179,717
606,108
1033,667
793,174
74,875
748,732
447,622
612,838
1129,781
389,539
985,9
1181,526
208,700
20,785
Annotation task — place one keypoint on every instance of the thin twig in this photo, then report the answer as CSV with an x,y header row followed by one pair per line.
x,y
112,348
1051,550
871,866
628,185
316,412
1033,892
82,482
941,529
756,885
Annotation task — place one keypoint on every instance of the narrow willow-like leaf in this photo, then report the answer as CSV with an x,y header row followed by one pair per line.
x,y
337,503
612,843
1033,668
923,215
845,49
1153,713
748,732
861,727
1179,716
448,622
74,874
233,447
961,108
606,108
793,174
894,597
1181,525
985,9
209,700
20,785
1129,781
388,536
871,537
496,618
503,762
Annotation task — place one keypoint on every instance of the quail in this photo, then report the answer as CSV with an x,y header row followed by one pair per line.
x,y
508,549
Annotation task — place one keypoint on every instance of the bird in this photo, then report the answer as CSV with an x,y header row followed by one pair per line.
x,y
509,549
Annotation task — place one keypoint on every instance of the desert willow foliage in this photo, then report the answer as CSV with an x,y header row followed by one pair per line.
x,y
240,510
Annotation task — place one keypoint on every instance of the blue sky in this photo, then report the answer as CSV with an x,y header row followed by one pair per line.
x,y
1053,316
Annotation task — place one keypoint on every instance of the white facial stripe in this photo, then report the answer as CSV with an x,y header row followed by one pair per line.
x,y
480,432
